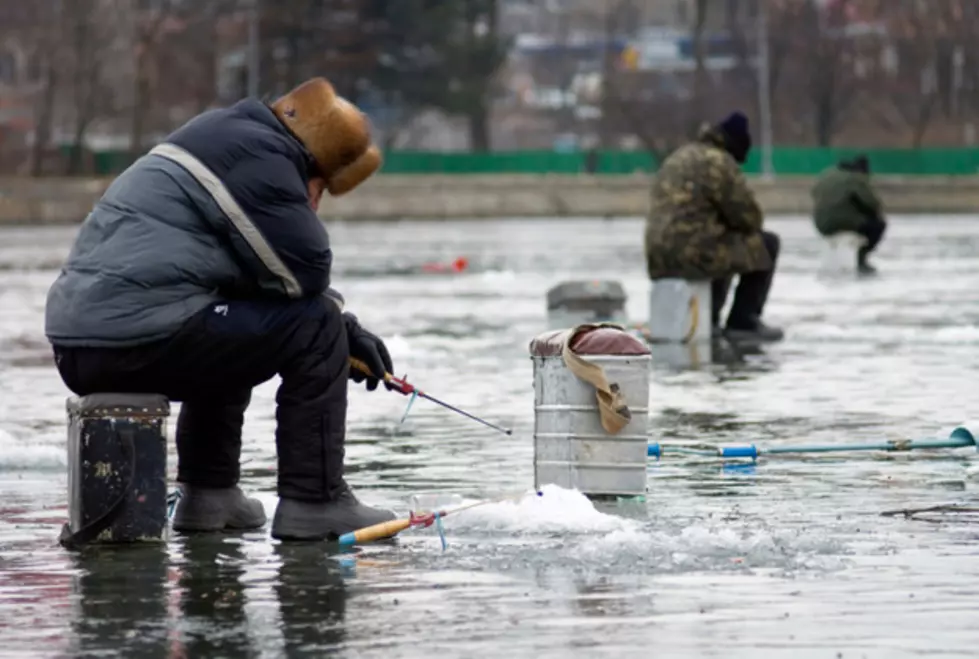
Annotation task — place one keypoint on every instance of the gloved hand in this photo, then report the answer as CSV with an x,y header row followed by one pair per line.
x,y
369,349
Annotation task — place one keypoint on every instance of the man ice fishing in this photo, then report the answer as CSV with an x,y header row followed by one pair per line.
x,y
704,223
844,200
204,271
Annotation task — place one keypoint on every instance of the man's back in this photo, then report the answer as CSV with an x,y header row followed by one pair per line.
x,y
842,201
142,263
684,185
703,220
159,246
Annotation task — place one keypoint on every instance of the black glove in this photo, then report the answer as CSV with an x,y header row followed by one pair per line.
x,y
369,349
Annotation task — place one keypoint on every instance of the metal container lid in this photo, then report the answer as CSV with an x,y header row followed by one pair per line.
x,y
569,292
118,404
596,341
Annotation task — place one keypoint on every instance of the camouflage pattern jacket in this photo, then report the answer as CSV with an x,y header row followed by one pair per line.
x,y
704,221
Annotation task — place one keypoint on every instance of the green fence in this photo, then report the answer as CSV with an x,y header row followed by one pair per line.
x,y
787,161
923,162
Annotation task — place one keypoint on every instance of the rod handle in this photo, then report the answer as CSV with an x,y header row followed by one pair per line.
x,y
398,384
375,532
364,368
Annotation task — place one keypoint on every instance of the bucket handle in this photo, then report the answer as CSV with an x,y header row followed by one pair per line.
x,y
89,532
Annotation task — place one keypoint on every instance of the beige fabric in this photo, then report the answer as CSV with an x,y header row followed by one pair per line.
x,y
611,403
604,339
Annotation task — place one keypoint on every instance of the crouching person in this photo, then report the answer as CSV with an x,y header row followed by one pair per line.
x,y
844,200
204,271
704,223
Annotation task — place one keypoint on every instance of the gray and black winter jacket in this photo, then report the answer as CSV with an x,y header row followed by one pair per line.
x,y
218,211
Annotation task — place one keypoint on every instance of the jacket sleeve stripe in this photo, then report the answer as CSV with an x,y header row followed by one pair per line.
x,y
224,199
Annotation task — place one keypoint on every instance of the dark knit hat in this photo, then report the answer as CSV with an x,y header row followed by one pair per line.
x,y
858,164
737,138
861,164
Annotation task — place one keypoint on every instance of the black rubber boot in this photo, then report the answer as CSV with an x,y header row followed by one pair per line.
x,y
310,520
217,509
753,330
873,230
864,268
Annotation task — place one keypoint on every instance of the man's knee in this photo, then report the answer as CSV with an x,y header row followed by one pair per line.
x,y
317,340
308,323
319,314
872,230
772,243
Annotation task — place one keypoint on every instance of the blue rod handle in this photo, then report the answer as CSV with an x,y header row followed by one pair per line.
x,y
749,451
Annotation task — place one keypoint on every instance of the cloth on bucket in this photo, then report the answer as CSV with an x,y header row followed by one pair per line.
x,y
593,339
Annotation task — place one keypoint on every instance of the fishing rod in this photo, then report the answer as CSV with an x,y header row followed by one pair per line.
x,y
402,386
910,513
392,528
959,438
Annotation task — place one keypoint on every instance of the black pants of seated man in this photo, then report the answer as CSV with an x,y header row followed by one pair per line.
x,y
211,366
873,230
751,293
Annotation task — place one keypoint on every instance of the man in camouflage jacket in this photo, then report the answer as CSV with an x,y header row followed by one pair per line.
x,y
704,223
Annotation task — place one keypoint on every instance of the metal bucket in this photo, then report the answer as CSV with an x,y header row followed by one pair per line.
x,y
117,469
571,448
680,310
573,303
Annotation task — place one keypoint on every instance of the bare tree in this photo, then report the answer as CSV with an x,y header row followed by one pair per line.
x,y
192,57
333,38
81,22
912,89
696,106
966,18
203,32
955,51
439,55
783,24
740,44
886,71
820,64
47,38
660,121
149,30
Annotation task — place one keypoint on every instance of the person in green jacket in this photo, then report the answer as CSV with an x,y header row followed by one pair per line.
x,y
844,200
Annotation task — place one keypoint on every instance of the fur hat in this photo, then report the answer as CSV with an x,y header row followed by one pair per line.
x,y
737,137
333,130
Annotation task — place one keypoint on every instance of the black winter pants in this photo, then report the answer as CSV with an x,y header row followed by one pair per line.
x,y
211,366
751,293
873,230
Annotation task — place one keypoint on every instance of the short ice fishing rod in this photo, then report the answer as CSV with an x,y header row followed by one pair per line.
x,y
386,530
402,386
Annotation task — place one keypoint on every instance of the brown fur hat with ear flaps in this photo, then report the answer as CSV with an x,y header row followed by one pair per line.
x,y
333,130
